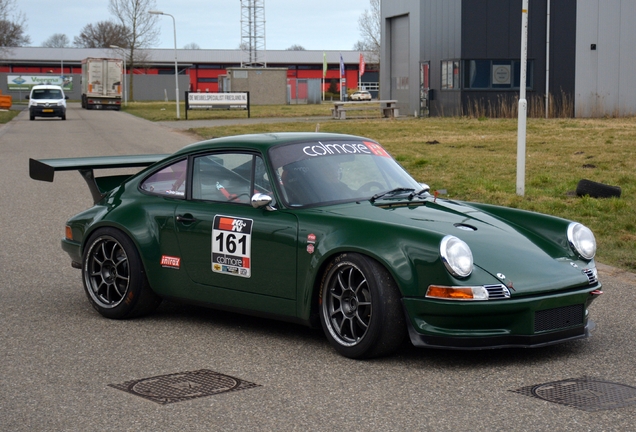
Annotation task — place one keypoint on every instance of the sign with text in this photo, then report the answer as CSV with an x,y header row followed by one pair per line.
x,y
213,99
207,101
25,82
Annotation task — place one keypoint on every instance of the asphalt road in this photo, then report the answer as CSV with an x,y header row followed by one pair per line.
x,y
58,356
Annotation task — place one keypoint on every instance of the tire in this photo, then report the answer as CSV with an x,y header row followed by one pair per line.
x,y
360,308
114,278
597,190
31,117
64,117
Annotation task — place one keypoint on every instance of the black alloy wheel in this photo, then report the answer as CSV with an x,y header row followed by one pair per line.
x,y
360,308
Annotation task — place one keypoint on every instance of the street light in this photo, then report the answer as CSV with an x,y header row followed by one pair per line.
x,y
176,71
123,78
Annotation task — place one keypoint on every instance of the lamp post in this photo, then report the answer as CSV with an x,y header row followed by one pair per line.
x,y
123,78
176,71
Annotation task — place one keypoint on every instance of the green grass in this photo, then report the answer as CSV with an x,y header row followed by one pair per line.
x,y
7,116
475,160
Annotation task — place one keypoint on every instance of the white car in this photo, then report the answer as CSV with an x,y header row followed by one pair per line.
x,y
361,95
47,101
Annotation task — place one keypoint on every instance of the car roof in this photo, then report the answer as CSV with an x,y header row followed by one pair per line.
x,y
46,86
264,141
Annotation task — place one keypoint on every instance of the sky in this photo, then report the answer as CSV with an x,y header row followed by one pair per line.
x,y
212,24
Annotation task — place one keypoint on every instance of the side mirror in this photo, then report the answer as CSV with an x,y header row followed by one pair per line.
x,y
27,97
262,200
66,97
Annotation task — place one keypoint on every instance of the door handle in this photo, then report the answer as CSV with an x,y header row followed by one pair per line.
x,y
187,218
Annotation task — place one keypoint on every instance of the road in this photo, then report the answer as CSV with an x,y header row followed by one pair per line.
x,y
58,356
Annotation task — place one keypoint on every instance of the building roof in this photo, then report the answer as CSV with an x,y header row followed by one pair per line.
x,y
160,56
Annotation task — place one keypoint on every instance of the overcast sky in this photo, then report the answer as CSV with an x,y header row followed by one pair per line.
x,y
212,24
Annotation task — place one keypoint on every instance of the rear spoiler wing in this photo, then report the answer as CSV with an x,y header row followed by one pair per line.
x,y
44,169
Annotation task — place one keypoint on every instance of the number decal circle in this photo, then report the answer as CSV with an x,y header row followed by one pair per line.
x,y
232,245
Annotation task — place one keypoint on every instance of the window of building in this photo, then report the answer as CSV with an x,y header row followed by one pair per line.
x,y
496,74
450,75
310,67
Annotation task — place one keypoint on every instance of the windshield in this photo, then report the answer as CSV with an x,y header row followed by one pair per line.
x,y
316,173
46,94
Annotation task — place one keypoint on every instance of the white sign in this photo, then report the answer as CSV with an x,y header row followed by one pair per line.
x,y
25,82
501,74
209,99
232,246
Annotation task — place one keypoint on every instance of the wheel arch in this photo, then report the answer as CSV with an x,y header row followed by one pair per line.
x,y
119,227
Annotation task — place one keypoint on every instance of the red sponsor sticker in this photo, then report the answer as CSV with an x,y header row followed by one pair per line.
x,y
310,248
376,149
311,238
170,262
226,223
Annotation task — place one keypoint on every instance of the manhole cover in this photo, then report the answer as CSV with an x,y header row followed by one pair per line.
x,y
178,387
587,394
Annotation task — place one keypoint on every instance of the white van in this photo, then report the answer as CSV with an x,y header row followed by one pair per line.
x,y
47,101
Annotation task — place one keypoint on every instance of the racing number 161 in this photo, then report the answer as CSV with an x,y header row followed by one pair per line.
x,y
230,242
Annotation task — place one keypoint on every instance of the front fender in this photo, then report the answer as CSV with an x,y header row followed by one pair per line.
x,y
411,255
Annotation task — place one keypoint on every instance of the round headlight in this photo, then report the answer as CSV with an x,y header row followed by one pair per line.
x,y
582,240
456,256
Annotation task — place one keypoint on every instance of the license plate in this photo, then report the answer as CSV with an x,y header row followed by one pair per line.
x,y
47,110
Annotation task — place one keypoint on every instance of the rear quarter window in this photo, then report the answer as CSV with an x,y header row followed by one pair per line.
x,y
169,181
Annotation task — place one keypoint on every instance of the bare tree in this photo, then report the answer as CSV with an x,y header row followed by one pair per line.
x,y
102,35
142,27
12,27
57,40
192,45
370,24
296,47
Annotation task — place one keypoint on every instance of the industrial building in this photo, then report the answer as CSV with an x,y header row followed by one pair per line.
x,y
451,57
199,69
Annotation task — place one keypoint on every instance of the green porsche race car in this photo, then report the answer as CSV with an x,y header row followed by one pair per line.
x,y
326,230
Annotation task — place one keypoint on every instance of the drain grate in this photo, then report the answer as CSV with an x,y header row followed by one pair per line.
x,y
587,394
178,387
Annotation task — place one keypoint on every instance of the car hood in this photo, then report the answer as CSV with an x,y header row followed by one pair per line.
x,y
45,101
522,258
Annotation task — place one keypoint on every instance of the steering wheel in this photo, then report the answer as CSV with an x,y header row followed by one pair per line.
x,y
365,188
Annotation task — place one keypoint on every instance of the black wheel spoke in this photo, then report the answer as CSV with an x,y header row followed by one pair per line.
x,y
361,321
353,330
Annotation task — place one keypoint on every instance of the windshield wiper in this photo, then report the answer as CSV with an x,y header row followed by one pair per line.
x,y
390,193
419,192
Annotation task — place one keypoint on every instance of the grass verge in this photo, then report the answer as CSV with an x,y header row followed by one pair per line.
x,y
7,116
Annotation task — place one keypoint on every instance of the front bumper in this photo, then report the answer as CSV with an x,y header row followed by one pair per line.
x,y
50,111
103,103
532,321
73,250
